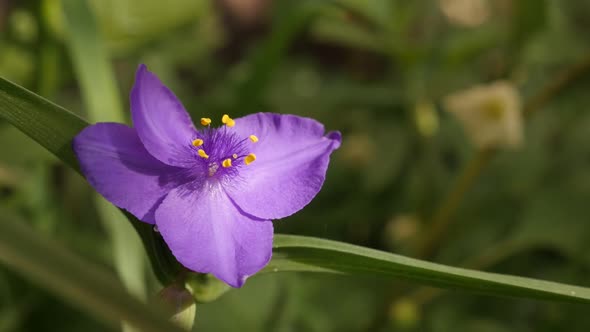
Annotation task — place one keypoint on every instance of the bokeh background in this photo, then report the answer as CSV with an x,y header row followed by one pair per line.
x,y
378,71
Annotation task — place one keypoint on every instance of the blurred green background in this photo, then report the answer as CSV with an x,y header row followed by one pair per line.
x,y
377,70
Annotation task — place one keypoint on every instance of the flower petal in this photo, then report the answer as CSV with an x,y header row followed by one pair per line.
x,y
117,165
207,233
162,123
292,156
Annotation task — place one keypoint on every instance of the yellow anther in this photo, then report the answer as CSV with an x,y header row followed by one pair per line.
x,y
203,154
226,163
235,156
198,142
228,121
253,138
249,159
205,121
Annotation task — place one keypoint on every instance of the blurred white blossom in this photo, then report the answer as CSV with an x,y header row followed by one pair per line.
x,y
469,13
491,114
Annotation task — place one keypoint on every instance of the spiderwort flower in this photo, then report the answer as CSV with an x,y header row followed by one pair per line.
x,y
211,192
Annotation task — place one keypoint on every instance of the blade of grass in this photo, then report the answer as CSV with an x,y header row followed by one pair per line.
x,y
306,254
102,101
54,128
83,284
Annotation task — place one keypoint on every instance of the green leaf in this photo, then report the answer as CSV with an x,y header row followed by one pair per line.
x,y
293,18
52,266
128,24
306,254
100,95
530,17
54,127
90,59
48,124
339,31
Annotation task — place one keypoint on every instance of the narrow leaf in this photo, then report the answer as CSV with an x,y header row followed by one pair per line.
x,y
98,85
306,254
52,266
50,125
54,128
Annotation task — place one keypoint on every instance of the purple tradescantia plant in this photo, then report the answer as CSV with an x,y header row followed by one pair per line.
x,y
212,192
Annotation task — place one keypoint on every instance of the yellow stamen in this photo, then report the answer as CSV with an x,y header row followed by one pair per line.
x,y
205,121
249,159
228,121
198,142
203,154
253,138
226,163
235,156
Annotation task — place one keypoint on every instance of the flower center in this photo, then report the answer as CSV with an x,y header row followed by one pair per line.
x,y
494,108
221,151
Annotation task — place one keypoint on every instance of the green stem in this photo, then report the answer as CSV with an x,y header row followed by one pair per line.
x,y
165,266
443,216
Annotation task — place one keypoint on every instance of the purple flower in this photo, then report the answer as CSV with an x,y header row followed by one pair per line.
x,y
211,192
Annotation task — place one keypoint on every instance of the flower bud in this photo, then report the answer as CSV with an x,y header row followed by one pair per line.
x,y
404,314
181,304
205,287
